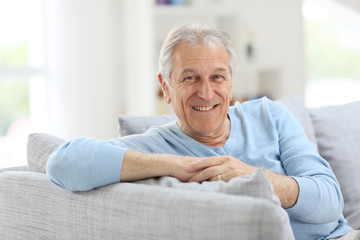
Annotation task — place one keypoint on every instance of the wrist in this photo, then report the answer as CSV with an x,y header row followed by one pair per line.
x,y
285,187
138,165
164,164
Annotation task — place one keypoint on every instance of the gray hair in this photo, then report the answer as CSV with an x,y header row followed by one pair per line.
x,y
194,33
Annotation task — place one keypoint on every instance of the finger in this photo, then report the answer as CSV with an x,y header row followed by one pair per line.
x,y
206,174
221,177
204,163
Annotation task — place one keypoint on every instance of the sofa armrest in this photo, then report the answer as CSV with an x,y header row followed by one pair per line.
x,y
17,168
33,208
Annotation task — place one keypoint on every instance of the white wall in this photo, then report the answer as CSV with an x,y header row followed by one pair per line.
x,y
140,78
83,55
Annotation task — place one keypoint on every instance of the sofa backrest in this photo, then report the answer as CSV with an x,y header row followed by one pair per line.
x,y
337,130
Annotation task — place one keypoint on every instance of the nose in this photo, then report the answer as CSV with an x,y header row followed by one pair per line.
x,y
205,89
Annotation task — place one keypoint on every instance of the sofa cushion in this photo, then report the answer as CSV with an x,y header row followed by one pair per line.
x,y
296,105
39,148
139,124
337,130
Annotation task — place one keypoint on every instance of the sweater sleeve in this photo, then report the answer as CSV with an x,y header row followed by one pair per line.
x,y
320,199
83,164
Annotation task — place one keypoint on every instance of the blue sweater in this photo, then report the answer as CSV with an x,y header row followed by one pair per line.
x,y
263,133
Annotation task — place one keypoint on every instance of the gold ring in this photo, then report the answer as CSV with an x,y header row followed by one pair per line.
x,y
219,177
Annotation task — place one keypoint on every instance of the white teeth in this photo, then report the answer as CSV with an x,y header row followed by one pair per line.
x,y
203,108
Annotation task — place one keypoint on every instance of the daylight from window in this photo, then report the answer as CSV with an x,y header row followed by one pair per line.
x,y
332,49
21,76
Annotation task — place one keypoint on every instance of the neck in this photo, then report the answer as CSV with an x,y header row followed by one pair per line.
x,y
217,139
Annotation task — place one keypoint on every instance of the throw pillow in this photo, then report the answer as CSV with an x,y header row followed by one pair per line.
x,y
39,148
296,105
139,124
337,130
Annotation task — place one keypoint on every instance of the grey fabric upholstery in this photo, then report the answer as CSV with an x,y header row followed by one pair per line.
x,y
296,105
33,208
337,131
40,146
139,124
19,168
256,185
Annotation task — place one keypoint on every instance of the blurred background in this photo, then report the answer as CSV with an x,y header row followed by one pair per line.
x,y
71,67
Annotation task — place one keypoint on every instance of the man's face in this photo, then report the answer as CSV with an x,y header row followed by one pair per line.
x,y
200,88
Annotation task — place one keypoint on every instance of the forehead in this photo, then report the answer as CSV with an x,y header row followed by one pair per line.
x,y
207,54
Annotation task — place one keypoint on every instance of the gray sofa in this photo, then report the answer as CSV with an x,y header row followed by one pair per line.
x,y
164,208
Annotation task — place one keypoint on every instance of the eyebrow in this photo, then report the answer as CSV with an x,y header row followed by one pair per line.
x,y
187,70
191,70
220,69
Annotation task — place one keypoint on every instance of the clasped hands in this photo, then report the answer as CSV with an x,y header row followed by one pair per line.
x,y
199,169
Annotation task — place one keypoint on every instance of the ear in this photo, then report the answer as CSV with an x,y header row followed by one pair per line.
x,y
164,88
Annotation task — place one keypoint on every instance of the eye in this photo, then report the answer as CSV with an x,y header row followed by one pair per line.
x,y
190,78
217,77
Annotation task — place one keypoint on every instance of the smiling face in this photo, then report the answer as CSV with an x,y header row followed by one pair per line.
x,y
200,90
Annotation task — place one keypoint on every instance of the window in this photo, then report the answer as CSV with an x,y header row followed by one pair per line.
x,y
332,43
22,81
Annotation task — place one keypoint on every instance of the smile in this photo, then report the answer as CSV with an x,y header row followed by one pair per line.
x,y
199,108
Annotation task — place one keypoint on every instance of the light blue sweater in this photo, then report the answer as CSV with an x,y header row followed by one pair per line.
x,y
263,134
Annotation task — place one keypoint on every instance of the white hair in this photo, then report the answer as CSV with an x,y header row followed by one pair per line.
x,y
197,34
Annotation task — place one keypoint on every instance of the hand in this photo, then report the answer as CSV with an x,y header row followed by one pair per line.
x,y
178,168
209,168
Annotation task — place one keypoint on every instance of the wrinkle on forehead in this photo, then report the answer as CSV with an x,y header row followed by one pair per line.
x,y
194,58
192,70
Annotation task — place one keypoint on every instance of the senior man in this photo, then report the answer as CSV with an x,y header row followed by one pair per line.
x,y
212,141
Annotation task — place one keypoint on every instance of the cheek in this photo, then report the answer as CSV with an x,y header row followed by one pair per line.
x,y
230,90
225,92
183,94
